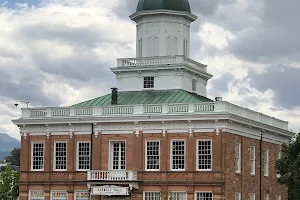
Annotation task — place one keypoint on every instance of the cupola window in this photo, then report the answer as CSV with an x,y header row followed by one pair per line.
x,y
149,82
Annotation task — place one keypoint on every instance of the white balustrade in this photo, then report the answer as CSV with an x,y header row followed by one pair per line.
x,y
112,175
178,108
84,111
38,113
208,107
60,111
111,110
153,109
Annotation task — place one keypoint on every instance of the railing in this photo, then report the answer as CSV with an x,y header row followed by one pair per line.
x,y
161,60
205,108
112,175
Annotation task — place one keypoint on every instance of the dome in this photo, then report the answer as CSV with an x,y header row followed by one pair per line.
x,y
178,5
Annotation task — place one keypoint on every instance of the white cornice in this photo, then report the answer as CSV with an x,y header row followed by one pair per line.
x,y
187,15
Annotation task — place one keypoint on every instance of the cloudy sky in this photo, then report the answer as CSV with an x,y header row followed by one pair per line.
x,y
58,52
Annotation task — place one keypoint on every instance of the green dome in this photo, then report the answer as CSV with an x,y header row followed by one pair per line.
x,y
178,5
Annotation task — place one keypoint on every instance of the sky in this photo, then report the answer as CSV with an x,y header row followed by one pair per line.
x,y
58,52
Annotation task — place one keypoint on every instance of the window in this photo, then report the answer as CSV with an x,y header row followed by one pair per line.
x,y
59,195
252,196
252,160
204,157
278,158
152,155
60,156
118,155
36,195
152,196
185,48
266,196
83,155
278,197
82,195
204,196
149,82
178,195
172,46
194,84
237,196
140,48
178,155
266,162
37,160
238,157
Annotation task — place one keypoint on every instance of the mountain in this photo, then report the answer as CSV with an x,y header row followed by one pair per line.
x,y
7,144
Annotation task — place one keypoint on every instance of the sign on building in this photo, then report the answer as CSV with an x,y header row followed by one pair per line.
x,y
82,195
36,195
110,190
59,195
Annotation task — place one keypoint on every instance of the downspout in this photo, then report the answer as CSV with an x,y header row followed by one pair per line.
x,y
91,157
260,164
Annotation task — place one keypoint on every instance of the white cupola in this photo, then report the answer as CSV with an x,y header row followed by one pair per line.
x,y
162,50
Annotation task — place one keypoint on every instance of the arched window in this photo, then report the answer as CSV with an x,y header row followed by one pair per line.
x,y
172,46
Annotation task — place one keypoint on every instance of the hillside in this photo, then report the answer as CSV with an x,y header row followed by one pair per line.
x,y
7,143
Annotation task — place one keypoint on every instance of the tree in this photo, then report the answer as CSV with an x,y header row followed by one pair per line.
x,y
289,167
165,195
14,157
9,184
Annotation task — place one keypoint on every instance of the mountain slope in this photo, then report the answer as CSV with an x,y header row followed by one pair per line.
x,y
7,144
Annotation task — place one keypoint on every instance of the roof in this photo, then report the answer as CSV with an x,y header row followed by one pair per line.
x,y
178,5
147,97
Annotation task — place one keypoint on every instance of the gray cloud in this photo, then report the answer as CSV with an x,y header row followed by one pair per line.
x,y
220,85
284,81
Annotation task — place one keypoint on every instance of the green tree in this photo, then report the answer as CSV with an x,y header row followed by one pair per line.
x,y
14,157
289,167
165,195
9,184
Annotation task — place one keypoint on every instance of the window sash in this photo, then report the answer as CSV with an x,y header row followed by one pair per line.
x,y
252,160
178,195
60,156
204,155
148,82
118,155
37,156
238,157
177,154
151,195
237,196
36,195
266,162
252,196
152,158
204,196
83,155
81,195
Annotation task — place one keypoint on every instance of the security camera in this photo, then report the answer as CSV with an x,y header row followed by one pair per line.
x,y
16,104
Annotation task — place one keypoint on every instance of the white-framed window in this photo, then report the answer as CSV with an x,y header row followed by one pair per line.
x,y
83,155
266,196
60,156
36,195
278,197
59,195
151,195
204,196
252,196
178,195
204,155
149,82
37,156
177,154
238,196
117,155
194,84
81,195
152,158
252,160
238,159
278,158
266,162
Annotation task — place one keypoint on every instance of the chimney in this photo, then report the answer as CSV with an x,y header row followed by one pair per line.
x,y
219,99
114,96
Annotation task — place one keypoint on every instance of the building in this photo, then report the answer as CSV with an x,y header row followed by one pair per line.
x,y
157,133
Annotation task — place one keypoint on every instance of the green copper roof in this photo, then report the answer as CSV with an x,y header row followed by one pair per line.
x,y
179,5
147,97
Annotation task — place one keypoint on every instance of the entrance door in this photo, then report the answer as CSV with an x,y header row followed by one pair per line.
x,y
118,156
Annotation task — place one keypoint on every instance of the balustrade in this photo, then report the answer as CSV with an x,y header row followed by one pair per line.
x,y
113,175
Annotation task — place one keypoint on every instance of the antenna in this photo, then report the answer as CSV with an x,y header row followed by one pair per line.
x,y
22,101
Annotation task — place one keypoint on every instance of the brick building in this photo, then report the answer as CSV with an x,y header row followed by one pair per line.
x,y
158,132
